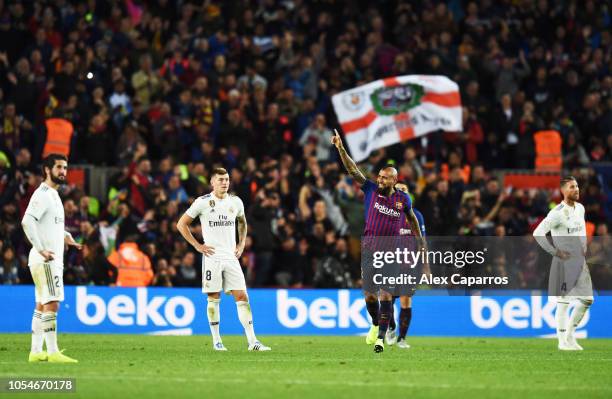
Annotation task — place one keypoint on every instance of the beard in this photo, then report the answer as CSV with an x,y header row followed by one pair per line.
x,y
57,179
384,190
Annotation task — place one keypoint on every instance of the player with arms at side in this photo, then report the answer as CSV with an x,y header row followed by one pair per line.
x,y
569,275
381,220
405,315
43,225
220,213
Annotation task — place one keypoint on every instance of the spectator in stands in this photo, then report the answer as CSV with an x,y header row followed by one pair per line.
x,y
98,268
175,191
263,214
187,274
146,82
163,275
319,135
9,267
140,176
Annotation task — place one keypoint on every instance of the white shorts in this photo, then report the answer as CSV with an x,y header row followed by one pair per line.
x,y
570,279
48,282
222,275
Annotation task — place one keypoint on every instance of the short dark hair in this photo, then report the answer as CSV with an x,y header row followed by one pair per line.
x,y
567,179
218,171
49,162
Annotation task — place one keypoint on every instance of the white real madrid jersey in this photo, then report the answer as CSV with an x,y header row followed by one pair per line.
x,y
46,207
566,226
218,218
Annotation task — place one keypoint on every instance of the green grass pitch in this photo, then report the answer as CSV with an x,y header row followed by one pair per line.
x,y
129,366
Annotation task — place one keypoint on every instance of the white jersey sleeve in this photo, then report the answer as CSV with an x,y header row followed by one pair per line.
x,y
240,206
38,205
197,208
550,223
567,227
583,233
46,208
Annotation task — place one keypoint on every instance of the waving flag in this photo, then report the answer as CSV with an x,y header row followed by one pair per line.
x,y
396,109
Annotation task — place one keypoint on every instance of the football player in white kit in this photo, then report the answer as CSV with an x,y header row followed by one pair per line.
x,y
569,275
43,225
220,213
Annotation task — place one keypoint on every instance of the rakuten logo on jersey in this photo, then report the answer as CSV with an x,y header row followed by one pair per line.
x,y
123,310
385,210
323,312
515,313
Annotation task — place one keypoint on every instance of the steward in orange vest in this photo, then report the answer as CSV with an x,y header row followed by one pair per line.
x,y
133,266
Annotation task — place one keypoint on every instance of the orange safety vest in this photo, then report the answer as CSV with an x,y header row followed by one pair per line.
x,y
59,135
465,172
548,150
590,230
133,266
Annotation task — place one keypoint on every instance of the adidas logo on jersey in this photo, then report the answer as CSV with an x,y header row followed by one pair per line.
x,y
386,211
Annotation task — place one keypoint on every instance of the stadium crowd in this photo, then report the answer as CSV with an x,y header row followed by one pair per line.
x,y
166,90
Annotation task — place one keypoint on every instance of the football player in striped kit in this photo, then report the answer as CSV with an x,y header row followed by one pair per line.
x,y
385,210
405,316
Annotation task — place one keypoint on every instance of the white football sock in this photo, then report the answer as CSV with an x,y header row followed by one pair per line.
x,y
561,319
577,314
213,318
37,332
246,319
49,327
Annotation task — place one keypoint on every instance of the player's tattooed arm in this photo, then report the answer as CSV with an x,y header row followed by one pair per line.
x,y
347,161
242,233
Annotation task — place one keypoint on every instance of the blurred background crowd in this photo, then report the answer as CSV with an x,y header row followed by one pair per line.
x,y
166,90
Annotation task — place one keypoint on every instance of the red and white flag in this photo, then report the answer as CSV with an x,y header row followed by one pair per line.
x,y
396,109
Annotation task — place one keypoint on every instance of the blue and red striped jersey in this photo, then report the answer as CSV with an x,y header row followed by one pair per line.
x,y
384,216
407,229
